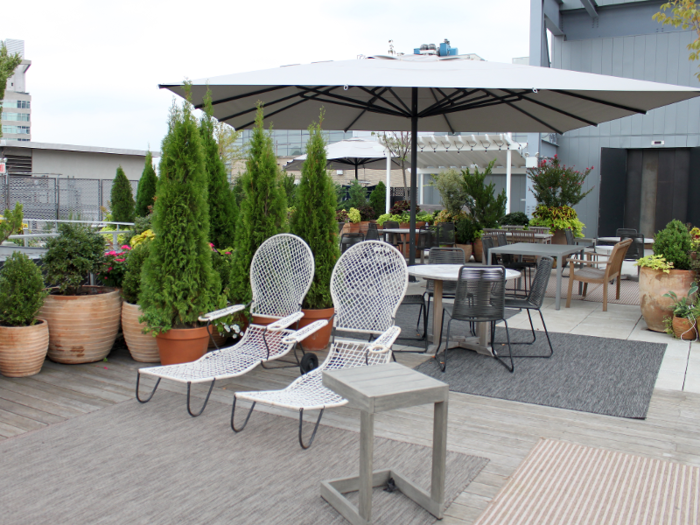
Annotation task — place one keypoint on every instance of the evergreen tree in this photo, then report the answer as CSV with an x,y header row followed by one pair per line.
x,y
147,187
263,210
221,211
358,195
377,199
122,198
178,282
314,220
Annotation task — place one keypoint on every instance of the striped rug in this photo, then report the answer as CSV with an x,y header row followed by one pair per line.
x,y
565,483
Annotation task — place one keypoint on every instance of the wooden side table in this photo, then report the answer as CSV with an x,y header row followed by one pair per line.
x,y
373,389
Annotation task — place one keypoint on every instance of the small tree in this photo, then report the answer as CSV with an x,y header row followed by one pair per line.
x,y
122,198
8,64
555,185
229,149
263,210
221,205
449,184
290,188
358,195
377,199
399,145
147,187
315,220
486,209
685,14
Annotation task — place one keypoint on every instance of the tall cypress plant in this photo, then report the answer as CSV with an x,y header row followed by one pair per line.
x,y
263,209
314,220
222,214
147,187
122,198
178,282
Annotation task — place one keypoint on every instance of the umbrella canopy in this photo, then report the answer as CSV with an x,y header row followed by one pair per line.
x,y
429,93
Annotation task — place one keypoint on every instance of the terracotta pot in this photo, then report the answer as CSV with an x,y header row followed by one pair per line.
x,y
467,249
351,227
23,349
219,339
182,345
559,237
653,284
142,347
478,250
82,328
684,328
263,320
319,340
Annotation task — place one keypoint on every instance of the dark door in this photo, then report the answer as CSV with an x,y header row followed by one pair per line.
x,y
613,190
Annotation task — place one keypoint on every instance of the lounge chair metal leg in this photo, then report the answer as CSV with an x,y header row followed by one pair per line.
x,y
138,380
510,368
206,400
301,425
233,413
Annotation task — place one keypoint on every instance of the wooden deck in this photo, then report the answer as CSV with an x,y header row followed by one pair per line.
x,y
502,431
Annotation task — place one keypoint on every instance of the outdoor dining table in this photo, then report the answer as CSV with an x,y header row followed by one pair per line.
x,y
450,272
560,251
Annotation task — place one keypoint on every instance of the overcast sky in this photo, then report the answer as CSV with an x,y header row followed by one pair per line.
x,y
96,66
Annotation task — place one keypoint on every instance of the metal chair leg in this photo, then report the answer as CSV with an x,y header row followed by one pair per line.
x,y
534,338
301,424
138,380
510,368
206,400
233,413
447,342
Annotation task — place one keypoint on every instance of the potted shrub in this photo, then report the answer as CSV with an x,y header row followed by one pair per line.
x,y
315,223
367,215
558,220
684,314
466,232
353,224
668,270
24,339
83,320
517,218
377,199
178,284
341,216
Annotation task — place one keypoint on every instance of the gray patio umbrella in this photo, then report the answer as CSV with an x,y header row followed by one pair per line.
x,y
429,93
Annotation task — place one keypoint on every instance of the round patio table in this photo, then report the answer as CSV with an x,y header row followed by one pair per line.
x,y
450,272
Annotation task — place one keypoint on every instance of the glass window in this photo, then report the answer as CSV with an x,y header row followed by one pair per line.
x,y
16,130
18,117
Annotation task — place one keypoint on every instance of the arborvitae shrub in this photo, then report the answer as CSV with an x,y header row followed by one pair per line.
x,y
122,198
147,187
377,199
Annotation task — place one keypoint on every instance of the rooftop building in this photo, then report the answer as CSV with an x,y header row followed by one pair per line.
x,y
16,106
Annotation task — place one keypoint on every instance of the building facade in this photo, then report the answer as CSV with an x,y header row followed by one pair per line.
x,y
17,104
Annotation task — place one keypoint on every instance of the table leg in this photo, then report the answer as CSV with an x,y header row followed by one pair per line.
x,y
437,312
366,459
437,483
557,302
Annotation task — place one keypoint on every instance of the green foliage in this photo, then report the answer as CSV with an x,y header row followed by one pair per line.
x,y
685,14
131,285
70,257
683,307
290,189
674,244
263,210
178,283
358,195
11,222
377,199
122,198
147,188
21,291
555,184
8,64
466,231
517,218
655,262
315,218
342,216
367,213
449,184
558,218
354,215
339,196
485,207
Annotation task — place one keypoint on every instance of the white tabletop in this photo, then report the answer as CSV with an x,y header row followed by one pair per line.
x,y
617,239
449,272
402,230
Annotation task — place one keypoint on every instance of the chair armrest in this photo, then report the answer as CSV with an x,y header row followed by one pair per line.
x,y
305,332
222,313
285,322
384,342
588,263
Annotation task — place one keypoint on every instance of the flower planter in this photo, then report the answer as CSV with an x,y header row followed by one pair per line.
x,y
82,328
182,345
684,329
319,340
558,237
653,284
467,249
478,250
142,347
351,227
23,349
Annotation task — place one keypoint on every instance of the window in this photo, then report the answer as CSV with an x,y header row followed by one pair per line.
x,y
15,104
18,117
16,130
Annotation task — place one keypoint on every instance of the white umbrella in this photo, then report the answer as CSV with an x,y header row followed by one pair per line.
x,y
429,93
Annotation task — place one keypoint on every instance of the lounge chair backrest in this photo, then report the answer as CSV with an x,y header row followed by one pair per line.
x,y
367,285
614,266
280,275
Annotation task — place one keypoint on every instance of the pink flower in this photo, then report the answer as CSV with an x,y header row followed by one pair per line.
x,y
109,269
126,247
120,260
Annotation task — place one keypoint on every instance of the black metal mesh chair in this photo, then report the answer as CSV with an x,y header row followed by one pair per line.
x,y
628,232
425,239
479,298
446,234
392,238
442,256
487,244
513,263
349,239
372,232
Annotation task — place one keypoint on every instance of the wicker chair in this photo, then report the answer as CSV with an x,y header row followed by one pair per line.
x,y
281,273
367,286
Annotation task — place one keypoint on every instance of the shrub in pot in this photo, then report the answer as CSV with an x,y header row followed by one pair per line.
x,y
466,232
83,320
684,313
486,208
377,199
517,218
24,339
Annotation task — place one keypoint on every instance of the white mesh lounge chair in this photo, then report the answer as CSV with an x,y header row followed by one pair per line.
x,y
367,286
280,275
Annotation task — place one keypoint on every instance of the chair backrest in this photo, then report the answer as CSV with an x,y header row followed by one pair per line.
x,y
348,239
627,232
445,256
392,238
501,238
539,229
538,288
281,273
390,224
486,244
367,285
569,236
617,255
446,233
522,236
372,233
480,293
425,238
636,249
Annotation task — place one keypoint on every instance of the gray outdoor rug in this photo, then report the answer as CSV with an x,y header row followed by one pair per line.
x,y
152,463
591,374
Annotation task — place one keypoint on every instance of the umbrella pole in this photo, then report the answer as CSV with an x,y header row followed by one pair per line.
x,y
414,172
356,172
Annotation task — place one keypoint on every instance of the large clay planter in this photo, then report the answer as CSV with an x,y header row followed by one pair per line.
x,y
23,349
142,347
319,340
182,345
467,249
478,250
684,328
653,284
558,237
82,328
351,227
